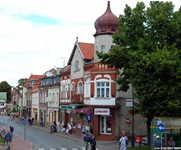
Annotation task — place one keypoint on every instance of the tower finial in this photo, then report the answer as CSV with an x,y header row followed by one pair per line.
x,y
77,39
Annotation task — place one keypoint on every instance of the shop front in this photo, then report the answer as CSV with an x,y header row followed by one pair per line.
x,y
67,115
84,118
104,123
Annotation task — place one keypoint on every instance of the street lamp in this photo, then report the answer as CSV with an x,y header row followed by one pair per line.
x,y
132,142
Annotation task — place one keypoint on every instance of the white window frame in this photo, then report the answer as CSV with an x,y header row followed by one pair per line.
x,y
103,49
102,88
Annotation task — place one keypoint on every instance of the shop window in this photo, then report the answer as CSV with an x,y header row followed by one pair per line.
x,y
105,124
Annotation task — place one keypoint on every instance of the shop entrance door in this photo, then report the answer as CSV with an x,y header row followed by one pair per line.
x,y
105,124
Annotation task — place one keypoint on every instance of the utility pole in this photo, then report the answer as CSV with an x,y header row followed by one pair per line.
x,y
132,142
63,60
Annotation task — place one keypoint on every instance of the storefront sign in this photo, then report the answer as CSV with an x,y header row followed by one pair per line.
x,y
35,109
101,111
67,107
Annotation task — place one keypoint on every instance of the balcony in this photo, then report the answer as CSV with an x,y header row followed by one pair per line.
x,y
78,98
65,97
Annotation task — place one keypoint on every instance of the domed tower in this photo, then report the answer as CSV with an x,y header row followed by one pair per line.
x,y
106,25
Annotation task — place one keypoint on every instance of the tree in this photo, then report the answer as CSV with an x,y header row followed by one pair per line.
x,y
5,87
148,50
21,82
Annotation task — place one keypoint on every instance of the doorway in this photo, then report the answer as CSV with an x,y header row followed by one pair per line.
x,y
105,124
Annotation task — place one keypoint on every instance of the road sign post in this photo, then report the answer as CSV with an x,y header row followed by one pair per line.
x,y
161,128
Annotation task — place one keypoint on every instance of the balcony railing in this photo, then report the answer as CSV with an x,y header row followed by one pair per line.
x,y
78,98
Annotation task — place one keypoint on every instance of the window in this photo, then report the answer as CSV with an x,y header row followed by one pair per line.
x,y
80,88
73,86
103,49
53,97
63,93
105,124
87,87
77,66
57,97
102,89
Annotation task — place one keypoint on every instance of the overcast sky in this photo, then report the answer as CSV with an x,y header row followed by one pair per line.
x,y
36,35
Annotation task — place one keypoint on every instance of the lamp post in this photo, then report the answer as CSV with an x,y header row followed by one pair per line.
x,y
132,142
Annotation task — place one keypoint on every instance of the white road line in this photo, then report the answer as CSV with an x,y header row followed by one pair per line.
x,y
63,148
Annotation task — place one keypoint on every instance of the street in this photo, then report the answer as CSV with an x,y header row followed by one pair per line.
x,y
41,139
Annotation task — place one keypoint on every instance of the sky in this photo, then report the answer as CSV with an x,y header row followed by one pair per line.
x,y
38,35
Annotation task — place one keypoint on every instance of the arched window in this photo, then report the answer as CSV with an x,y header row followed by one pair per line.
x,y
77,66
80,88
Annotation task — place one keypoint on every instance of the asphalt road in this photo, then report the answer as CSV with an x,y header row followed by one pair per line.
x,y
40,139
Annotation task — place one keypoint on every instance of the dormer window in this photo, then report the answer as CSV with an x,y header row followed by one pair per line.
x,y
77,66
103,49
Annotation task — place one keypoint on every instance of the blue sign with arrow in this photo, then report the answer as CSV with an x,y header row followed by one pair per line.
x,y
161,127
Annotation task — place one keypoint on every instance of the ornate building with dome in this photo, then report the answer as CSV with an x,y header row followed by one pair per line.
x,y
89,95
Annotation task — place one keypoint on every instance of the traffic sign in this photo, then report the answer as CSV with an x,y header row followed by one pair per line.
x,y
161,127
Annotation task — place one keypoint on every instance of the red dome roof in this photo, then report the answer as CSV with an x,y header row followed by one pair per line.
x,y
107,23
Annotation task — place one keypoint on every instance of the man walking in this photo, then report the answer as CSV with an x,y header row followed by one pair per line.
x,y
8,140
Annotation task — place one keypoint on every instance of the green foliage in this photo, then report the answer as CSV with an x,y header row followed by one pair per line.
x,y
21,82
5,87
148,51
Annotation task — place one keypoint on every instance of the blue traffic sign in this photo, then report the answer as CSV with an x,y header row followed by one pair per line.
x,y
161,127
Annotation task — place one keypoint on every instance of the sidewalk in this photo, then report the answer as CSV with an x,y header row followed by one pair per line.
x,y
20,144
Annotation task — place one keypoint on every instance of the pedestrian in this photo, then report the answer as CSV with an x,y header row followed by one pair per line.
x,y
171,142
87,140
58,127
11,130
68,128
91,130
123,142
164,143
84,130
93,142
8,140
157,143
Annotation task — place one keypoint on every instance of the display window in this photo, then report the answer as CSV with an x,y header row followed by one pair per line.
x,y
105,124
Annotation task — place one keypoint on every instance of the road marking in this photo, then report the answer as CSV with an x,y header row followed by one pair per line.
x,y
74,149
52,149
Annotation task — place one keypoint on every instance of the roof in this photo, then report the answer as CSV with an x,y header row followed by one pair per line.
x,y
107,23
86,49
31,78
168,122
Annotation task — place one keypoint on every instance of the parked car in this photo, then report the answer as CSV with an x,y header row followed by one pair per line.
x,y
144,140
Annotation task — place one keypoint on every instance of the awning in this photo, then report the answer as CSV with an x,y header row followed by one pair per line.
x,y
168,122
84,110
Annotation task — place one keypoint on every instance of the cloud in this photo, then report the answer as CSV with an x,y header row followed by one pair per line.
x,y
36,34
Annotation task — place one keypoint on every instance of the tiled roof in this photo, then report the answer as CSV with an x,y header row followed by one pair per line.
x,y
87,50
33,77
